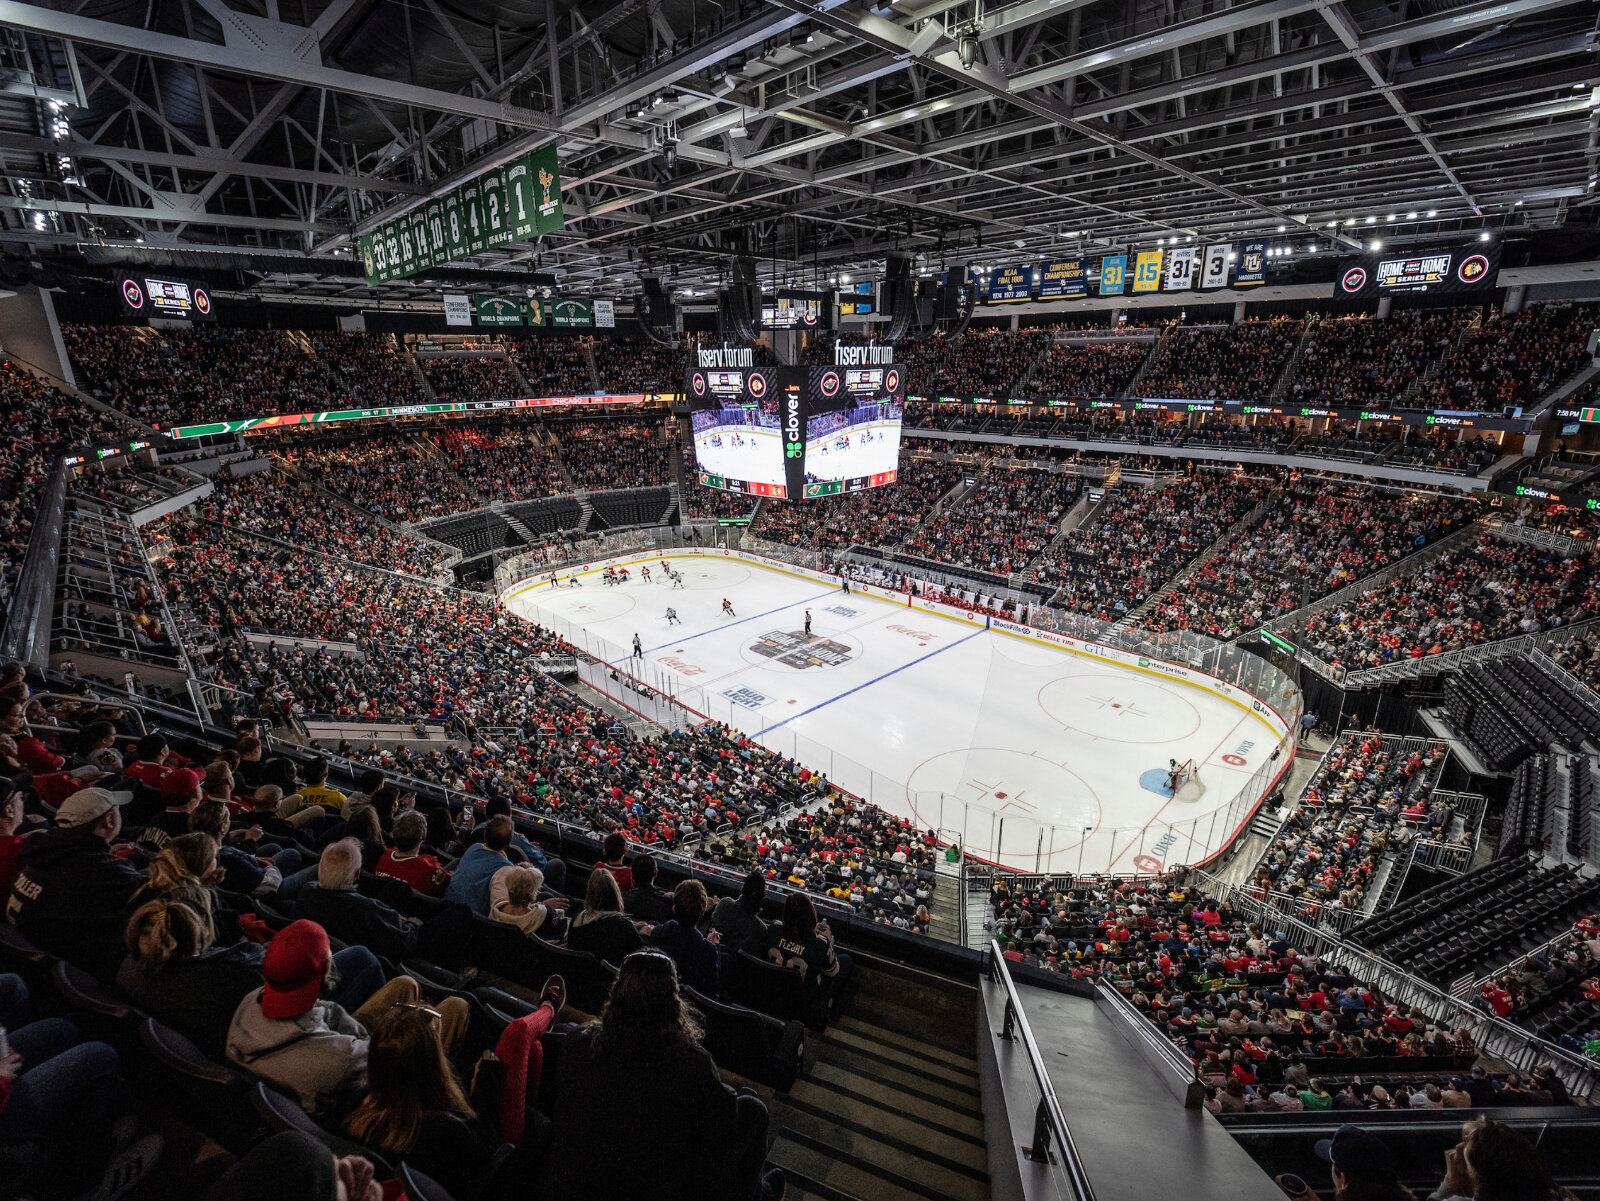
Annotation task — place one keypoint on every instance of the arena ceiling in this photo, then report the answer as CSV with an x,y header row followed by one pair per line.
x,y
814,134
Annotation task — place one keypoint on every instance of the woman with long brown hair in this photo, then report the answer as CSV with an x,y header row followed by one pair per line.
x,y
603,929
640,1075
415,1107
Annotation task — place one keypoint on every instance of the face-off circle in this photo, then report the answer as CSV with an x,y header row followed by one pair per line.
x,y
1021,787
1118,708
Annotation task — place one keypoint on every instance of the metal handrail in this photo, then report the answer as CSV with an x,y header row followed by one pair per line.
x,y
1163,1046
1048,1116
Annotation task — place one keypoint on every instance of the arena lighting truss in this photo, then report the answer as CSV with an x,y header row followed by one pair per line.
x,y
815,136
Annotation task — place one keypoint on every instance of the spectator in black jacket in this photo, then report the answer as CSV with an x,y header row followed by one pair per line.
x,y
739,920
416,1109
707,1142
335,905
696,954
644,900
174,972
603,929
805,945
72,893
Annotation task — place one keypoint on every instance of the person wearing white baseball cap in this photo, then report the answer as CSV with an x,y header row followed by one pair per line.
x,y
72,894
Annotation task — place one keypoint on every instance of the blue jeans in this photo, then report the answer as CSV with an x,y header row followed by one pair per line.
x,y
294,882
13,1001
360,975
288,862
63,1078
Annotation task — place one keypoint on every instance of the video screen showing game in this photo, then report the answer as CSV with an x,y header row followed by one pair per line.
x,y
737,443
853,427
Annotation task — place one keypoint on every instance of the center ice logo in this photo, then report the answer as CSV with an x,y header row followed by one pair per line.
x,y
797,649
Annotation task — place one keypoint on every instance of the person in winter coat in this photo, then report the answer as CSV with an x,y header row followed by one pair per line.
x,y
289,1032
72,894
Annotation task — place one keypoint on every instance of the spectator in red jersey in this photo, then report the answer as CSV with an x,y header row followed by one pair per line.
x,y
407,861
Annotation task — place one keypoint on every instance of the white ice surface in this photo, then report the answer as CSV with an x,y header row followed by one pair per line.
x,y
954,725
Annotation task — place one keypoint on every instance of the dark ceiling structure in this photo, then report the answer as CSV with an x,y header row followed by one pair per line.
x,y
812,135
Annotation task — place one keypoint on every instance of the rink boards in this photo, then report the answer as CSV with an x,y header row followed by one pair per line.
x,y
1092,769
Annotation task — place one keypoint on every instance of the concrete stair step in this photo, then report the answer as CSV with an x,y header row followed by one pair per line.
x,y
922,1059
850,1070
820,1167
872,1144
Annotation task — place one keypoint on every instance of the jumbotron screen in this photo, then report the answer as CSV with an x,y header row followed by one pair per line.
x,y
853,422
738,445
793,432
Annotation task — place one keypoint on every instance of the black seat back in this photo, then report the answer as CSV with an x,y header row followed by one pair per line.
x,y
588,979
750,1044
767,988
282,1112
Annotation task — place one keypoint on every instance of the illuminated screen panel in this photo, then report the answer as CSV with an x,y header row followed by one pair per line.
x,y
738,446
853,418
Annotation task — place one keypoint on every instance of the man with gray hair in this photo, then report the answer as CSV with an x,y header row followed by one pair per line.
x,y
335,905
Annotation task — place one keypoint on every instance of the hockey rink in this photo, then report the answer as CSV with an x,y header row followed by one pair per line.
x,y
1038,757
756,456
870,448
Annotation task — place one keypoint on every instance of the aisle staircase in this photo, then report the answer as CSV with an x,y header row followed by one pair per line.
x,y
1248,521
1432,373
1159,345
888,1107
422,378
560,463
1280,386
1032,367
516,369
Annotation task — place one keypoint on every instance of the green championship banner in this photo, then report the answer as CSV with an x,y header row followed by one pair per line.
x,y
511,203
571,314
497,311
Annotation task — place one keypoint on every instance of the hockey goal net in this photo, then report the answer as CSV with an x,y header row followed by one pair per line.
x,y
1184,780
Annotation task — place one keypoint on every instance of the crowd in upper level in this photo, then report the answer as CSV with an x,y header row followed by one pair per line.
x,y
204,373
637,365
457,378
1476,593
373,367
1512,359
1362,361
1229,362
